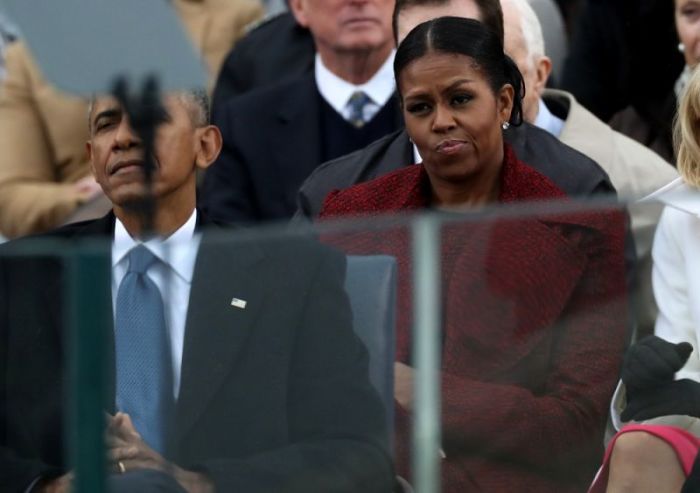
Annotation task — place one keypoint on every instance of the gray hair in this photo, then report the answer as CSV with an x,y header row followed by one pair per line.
x,y
531,29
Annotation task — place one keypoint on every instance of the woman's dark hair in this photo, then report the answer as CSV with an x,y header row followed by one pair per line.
x,y
459,36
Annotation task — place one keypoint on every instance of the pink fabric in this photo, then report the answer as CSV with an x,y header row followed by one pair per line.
x,y
685,444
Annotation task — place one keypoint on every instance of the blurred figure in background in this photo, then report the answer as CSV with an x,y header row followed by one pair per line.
x,y
44,172
650,119
634,170
7,35
277,50
623,53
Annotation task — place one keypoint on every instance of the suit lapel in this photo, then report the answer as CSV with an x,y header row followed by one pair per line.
x,y
216,330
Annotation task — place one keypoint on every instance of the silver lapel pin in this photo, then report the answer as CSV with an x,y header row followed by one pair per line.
x,y
239,303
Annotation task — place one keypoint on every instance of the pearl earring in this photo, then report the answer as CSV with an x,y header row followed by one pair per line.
x,y
681,47
505,125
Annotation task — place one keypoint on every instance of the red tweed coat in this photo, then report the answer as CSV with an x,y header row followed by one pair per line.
x,y
534,324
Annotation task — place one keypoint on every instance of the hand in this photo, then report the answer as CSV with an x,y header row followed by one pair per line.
x,y
61,484
652,362
403,385
86,188
675,397
126,446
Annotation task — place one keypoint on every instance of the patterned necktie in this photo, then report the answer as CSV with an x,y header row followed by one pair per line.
x,y
357,103
142,348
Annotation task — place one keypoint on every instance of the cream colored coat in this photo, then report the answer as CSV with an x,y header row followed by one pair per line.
x,y
43,131
635,171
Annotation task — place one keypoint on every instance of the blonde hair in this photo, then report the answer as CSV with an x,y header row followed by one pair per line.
x,y
686,131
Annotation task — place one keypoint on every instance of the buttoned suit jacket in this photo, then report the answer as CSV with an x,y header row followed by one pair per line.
x,y
533,313
272,143
43,130
273,397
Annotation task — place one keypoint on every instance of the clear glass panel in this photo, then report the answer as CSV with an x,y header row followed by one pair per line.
x,y
461,352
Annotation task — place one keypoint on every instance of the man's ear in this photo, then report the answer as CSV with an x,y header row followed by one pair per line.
x,y
88,153
299,10
210,143
543,68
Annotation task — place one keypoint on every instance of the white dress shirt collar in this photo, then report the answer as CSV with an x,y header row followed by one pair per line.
x,y
547,121
177,251
337,91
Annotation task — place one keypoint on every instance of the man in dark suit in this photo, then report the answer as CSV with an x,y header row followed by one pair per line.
x,y
574,173
276,50
268,384
274,137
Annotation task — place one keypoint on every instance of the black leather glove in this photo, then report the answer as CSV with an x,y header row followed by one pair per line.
x,y
675,397
653,361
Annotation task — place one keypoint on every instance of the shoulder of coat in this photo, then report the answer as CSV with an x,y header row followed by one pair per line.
x,y
263,21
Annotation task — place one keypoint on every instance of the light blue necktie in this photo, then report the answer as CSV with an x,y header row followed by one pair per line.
x,y
142,348
357,103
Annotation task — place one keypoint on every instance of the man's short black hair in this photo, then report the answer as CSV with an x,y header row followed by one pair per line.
x,y
490,11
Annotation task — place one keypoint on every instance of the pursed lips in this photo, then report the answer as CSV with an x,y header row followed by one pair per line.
x,y
450,146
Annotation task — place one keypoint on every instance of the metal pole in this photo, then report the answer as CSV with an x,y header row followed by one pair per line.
x,y
426,353
88,302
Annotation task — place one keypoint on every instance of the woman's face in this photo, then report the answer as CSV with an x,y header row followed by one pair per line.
x,y
453,116
688,28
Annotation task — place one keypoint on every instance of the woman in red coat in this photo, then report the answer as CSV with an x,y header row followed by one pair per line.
x,y
534,316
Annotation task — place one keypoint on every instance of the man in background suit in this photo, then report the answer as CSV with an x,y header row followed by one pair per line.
x,y
275,136
276,50
269,382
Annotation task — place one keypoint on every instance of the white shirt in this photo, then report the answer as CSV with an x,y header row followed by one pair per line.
x,y
172,275
337,91
547,121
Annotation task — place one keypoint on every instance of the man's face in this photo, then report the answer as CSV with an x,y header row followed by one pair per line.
x,y
516,48
117,159
413,16
347,25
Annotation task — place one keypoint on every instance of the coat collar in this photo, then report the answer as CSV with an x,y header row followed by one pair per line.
x,y
678,195
582,130
409,189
